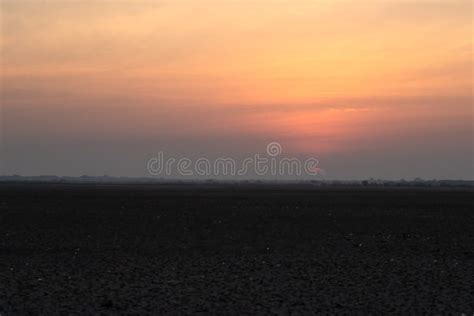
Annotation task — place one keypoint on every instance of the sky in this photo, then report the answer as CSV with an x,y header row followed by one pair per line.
x,y
371,88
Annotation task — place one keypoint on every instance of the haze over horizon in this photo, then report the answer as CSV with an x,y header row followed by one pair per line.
x,y
378,89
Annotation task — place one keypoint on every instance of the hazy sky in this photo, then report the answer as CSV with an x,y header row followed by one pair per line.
x,y
378,88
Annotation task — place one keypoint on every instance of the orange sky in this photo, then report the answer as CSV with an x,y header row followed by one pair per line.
x,y
323,77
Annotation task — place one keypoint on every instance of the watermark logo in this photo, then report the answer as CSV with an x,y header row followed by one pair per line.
x,y
274,149
271,164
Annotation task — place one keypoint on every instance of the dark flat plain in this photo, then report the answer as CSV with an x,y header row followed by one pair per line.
x,y
111,249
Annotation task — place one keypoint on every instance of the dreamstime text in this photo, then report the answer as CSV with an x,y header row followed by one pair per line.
x,y
271,164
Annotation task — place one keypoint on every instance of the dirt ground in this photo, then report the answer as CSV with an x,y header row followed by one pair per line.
x,y
87,249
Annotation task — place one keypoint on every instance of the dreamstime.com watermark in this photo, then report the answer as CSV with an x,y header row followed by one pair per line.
x,y
260,165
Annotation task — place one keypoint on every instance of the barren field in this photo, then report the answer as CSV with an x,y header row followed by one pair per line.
x,y
86,249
